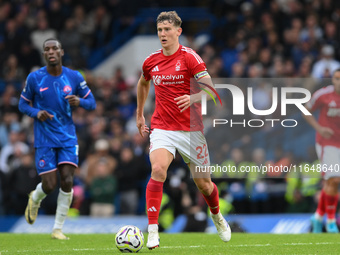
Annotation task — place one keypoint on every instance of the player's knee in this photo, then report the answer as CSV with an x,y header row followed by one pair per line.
x,y
158,172
331,181
66,183
49,185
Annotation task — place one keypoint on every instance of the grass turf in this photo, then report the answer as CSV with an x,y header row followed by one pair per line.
x,y
187,243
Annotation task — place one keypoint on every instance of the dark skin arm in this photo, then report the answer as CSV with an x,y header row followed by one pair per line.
x,y
44,115
73,100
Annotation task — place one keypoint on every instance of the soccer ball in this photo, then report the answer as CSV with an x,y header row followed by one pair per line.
x,y
129,239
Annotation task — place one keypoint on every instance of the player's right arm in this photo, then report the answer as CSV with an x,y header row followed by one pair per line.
x,y
143,87
325,132
25,103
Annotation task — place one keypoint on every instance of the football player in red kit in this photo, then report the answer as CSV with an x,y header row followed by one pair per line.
x,y
327,100
176,123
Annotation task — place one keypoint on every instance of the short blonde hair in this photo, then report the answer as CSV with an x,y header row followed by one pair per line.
x,y
171,16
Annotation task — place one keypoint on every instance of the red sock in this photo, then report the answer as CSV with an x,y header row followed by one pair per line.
x,y
331,203
213,201
321,204
154,192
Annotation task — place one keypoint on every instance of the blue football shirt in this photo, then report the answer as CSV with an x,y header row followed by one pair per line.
x,y
48,92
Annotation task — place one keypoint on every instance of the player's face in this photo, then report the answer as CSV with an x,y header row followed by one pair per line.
x,y
168,34
336,81
53,53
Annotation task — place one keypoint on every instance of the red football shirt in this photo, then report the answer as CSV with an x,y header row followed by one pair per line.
x,y
328,102
171,77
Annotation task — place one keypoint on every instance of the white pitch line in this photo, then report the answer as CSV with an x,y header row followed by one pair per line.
x,y
323,243
199,246
74,249
192,246
248,245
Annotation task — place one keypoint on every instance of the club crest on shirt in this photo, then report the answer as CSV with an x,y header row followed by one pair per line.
x,y
156,80
332,104
178,65
42,163
67,89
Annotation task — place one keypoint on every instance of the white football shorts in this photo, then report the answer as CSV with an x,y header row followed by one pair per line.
x,y
329,157
191,145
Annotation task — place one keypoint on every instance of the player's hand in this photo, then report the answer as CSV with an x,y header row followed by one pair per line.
x,y
140,123
44,115
183,102
73,100
326,132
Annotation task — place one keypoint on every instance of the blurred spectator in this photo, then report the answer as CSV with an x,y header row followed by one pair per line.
x,y
108,98
101,19
12,71
276,180
29,56
262,96
331,36
102,190
41,33
72,42
9,100
23,178
236,179
324,67
13,36
119,79
12,151
257,184
116,145
237,70
265,60
89,168
312,30
303,49
130,172
84,24
3,51
55,15
96,129
126,106
9,121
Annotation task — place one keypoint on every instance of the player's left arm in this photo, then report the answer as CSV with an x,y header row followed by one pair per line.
x,y
88,103
185,101
198,70
85,98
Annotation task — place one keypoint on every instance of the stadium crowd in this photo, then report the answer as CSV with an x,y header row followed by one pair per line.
x,y
252,39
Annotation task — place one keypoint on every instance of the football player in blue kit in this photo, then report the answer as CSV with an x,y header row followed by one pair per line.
x,y
49,95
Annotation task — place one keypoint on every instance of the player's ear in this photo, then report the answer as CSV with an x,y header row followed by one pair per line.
x,y
62,52
179,31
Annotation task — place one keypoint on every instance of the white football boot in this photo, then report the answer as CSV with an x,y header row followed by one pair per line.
x,y
153,237
222,226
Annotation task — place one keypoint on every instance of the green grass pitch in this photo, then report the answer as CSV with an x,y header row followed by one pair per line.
x,y
188,243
